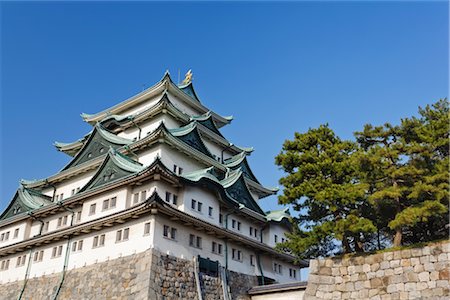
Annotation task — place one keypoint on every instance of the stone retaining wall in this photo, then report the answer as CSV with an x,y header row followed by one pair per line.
x,y
418,273
147,275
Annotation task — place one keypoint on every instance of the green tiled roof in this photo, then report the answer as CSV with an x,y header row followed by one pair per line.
x,y
25,200
278,215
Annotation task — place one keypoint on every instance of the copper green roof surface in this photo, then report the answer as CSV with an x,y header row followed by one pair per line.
x,y
203,173
25,200
278,215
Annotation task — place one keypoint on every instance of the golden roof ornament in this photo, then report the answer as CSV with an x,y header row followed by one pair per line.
x,y
187,77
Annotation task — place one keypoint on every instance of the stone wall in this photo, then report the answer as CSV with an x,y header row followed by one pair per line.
x,y
417,273
147,275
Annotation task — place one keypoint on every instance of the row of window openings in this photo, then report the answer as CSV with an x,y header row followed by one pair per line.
x,y
177,169
107,204
198,206
275,237
171,198
5,235
136,197
60,197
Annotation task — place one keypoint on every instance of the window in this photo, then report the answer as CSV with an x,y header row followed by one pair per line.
x,y
220,218
2,237
292,273
193,204
92,209
277,268
135,198
78,216
180,171
57,197
256,233
170,232
61,196
216,248
251,230
7,236
72,192
77,246
98,241
62,221
105,204
175,199
239,226
275,238
78,189
175,168
147,228
46,224
199,206
57,251
252,260
38,256
21,260
16,233
195,241
233,223
143,196
109,203
59,222
65,220
236,255
5,265
210,211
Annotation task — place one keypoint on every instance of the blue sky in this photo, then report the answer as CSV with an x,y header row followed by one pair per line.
x,y
277,67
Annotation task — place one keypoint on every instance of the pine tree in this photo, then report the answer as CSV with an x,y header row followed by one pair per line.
x,y
322,186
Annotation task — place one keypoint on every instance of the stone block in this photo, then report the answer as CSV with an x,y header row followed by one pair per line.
x,y
379,273
394,263
343,270
443,283
405,262
359,285
433,258
400,287
329,263
398,270
349,287
418,268
410,286
376,297
371,275
415,252
376,283
391,288
337,295
373,292
384,265
442,257
351,270
366,268
431,284
429,267
438,291
426,250
313,266
404,295
424,276
406,253
434,275
388,256
398,255
363,294
375,267
335,272
421,286
444,274
325,271
354,277
338,279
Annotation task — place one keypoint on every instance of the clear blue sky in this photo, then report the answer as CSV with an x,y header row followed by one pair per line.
x,y
277,67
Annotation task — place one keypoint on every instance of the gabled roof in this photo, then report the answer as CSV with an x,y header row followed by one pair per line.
x,y
164,85
189,134
114,167
189,90
278,215
25,200
72,148
235,186
98,143
207,121
240,161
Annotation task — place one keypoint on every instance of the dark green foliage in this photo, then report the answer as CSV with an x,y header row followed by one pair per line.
x,y
390,187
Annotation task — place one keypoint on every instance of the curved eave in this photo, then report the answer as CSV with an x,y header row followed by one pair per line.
x,y
260,190
70,149
27,200
188,89
130,102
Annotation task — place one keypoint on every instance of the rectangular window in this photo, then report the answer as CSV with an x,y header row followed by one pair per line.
x,y
21,260
41,255
199,242
112,202
57,197
199,206
72,192
74,246
64,220
54,251
191,240
233,223
210,211
173,233
5,265
118,236
219,248
143,196
214,247
7,236
166,231
275,238
80,245
2,237
105,204
175,199
147,228
16,233
252,260
102,240
175,169
126,234
193,203
95,242
233,253
251,230
60,250
59,222
78,216
38,256
220,218
168,194
135,198
46,224
170,232
239,226
256,233
92,209
180,171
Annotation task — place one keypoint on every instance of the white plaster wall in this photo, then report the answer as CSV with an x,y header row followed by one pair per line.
x,y
11,228
67,186
148,156
120,193
207,198
282,295
171,156
269,234
182,106
245,226
142,106
267,263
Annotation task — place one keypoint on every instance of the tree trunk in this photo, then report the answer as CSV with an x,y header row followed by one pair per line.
x,y
398,237
346,244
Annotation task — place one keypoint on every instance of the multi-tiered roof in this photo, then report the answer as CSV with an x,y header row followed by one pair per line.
x,y
113,158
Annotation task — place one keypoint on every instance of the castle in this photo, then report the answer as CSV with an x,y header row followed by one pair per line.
x,y
154,172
